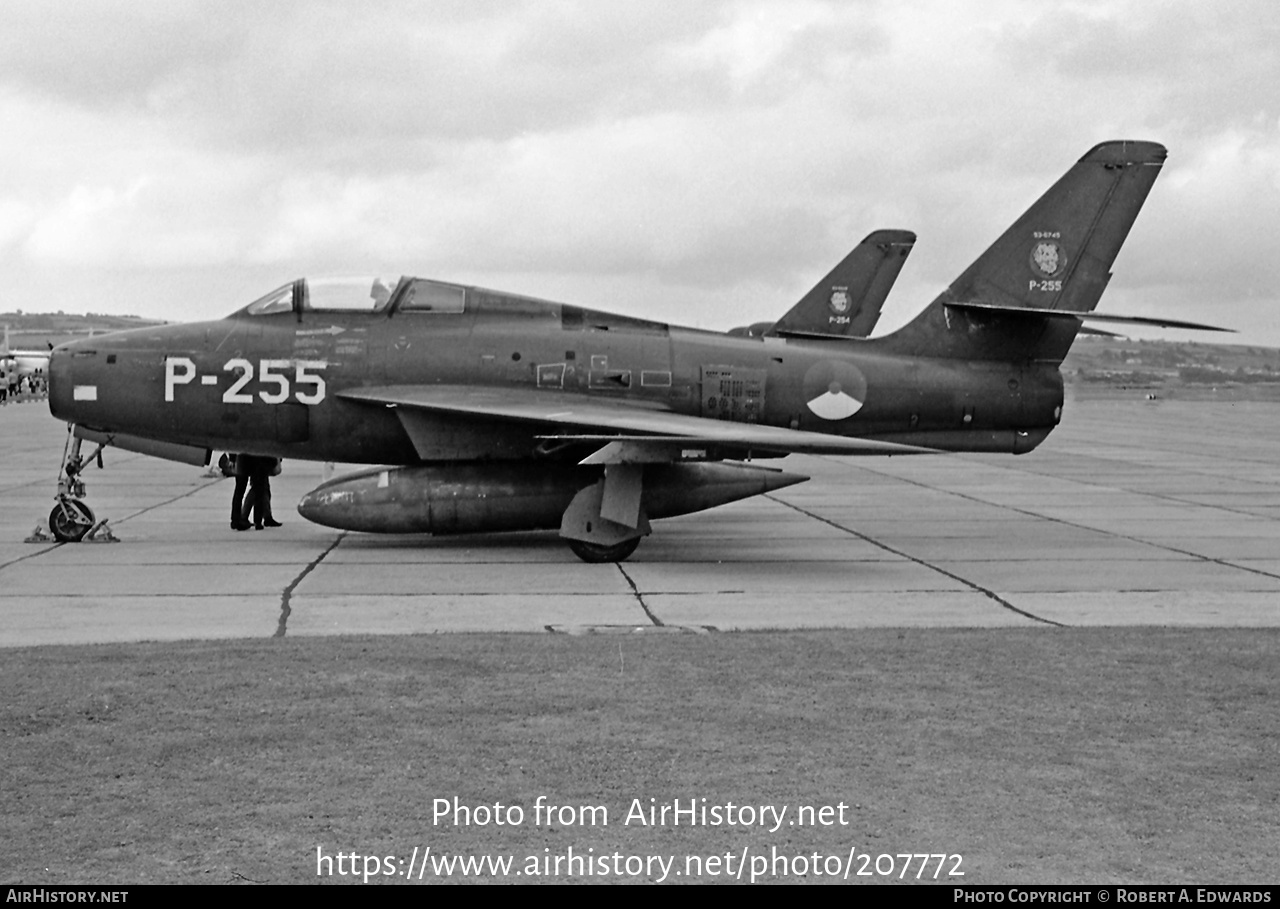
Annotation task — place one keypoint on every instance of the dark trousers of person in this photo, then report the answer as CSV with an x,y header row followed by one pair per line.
x,y
258,501
237,500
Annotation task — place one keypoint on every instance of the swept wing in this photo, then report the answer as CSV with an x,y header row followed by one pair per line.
x,y
573,417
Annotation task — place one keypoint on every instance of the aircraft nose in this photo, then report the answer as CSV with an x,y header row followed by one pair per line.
x,y
59,379
73,381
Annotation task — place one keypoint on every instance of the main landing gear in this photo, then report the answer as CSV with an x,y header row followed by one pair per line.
x,y
605,521
595,553
71,519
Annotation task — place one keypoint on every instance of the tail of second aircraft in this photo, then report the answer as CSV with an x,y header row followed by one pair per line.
x,y
847,302
1021,299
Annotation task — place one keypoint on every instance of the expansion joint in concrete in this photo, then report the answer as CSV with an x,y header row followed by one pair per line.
x,y
991,594
1111,533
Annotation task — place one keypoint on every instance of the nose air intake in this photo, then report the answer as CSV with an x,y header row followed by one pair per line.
x,y
63,395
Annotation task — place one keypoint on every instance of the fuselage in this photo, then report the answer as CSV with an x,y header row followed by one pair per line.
x,y
270,381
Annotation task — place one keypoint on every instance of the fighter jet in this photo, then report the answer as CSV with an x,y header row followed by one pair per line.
x,y
490,411
847,302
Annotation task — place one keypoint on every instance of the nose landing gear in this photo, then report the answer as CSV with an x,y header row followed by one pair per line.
x,y
71,519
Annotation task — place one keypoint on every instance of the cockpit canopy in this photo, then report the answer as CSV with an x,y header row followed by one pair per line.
x,y
368,294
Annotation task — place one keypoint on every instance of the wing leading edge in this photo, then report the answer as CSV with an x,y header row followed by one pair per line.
x,y
573,417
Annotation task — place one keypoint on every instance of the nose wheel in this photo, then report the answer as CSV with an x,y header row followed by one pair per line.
x,y
70,520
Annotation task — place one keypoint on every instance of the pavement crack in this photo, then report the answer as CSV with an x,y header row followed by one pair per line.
x,y
31,555
991,594
288,591
640,597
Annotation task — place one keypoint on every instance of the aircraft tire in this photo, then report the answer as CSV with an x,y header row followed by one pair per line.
x,y
595,554
70,527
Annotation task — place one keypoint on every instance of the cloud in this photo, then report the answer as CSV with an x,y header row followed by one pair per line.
x,y
296,75
1185,65
16,220
719,155
1210,231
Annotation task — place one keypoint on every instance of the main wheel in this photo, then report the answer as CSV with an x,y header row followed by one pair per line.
x,y
70,520
595,553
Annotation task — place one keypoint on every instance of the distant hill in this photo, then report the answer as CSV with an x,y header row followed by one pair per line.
x,y
1173,369
36,331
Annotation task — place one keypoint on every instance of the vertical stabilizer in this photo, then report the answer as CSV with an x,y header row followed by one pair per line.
x,y
847,302
1058,256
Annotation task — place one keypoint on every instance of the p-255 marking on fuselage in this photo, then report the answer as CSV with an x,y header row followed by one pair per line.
x,y
183,371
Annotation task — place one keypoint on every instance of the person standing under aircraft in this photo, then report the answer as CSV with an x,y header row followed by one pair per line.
x,y
240,470
260,471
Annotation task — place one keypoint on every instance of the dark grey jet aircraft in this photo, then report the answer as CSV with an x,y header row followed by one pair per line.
x,y
491,411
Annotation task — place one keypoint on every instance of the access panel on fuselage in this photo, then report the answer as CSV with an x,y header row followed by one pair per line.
x,y
733,393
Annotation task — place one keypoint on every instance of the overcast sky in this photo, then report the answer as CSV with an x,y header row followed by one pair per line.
x,y
698,162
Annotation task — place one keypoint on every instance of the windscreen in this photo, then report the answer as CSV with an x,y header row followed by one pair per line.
x,y
349,294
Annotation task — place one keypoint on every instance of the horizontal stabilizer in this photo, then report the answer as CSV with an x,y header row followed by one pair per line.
x,y
811,335
1029,311
1098,332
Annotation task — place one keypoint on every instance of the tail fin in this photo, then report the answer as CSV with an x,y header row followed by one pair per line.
x,y
847,302
1057,256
